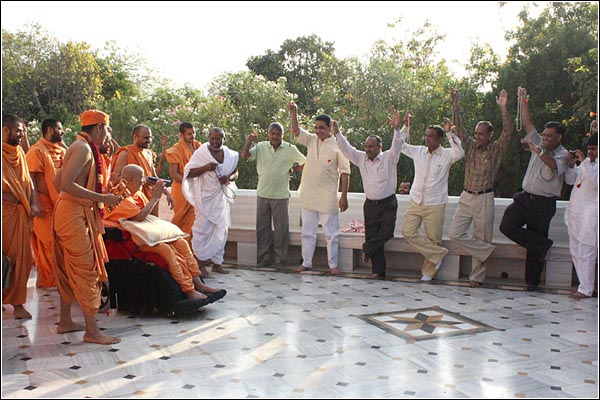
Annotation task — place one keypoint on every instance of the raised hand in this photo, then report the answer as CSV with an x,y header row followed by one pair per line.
x,y
292,106
502,99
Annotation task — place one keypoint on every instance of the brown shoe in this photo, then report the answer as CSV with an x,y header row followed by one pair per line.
x,y
375,276
301,269
474,284
219,269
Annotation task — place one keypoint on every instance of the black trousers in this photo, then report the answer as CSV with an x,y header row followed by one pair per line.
x,y
536,212
380,222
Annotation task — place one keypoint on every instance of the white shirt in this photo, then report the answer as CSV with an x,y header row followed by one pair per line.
x,y
379,176
430,187
321,174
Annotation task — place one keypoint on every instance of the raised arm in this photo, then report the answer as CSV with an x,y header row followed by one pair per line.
x,y
458,125
246,150
399,135
525,111
507,127
346,149
294,116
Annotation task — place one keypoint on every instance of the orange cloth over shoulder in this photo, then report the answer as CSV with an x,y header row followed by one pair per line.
x,y
184,216
16,222
135,155
46,158
180,260
79,248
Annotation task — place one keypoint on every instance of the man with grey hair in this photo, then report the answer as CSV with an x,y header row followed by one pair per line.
x,y
274,158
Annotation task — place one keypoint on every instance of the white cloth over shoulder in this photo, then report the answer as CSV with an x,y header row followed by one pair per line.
x,y
211,202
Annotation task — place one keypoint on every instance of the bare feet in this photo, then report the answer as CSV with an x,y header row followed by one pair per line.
x,y
100,339
578,296
334,271
202,288
203,270
219,269
365,258
474,284
20,312
302,268
194,295
70,327
374,276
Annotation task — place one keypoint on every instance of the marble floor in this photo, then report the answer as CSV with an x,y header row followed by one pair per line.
x,y
285,335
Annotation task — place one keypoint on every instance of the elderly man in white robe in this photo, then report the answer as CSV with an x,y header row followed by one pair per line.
x,y
581,215
209,186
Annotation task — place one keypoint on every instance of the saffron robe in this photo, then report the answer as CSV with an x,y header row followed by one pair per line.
x,y
16,222
46,158
78,247
180,260
183,217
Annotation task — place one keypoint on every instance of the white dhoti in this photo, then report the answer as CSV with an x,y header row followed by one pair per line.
x,y
581,217
211,202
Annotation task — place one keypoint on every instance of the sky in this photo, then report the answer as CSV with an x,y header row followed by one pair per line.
x,y
194,42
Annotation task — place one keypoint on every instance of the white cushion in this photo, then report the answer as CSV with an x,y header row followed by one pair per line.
x,y
152,231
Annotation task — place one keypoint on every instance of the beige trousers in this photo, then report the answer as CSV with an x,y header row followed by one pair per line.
x,y
432,218
478,209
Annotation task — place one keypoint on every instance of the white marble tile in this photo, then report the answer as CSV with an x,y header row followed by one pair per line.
x,y
266,339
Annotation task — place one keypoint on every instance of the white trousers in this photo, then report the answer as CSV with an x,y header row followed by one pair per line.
x,y
584,258
331,228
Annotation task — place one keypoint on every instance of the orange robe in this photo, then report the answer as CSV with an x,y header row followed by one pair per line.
x,y
106,172
183,211
79,248
16,222
46,158
135,155
179,257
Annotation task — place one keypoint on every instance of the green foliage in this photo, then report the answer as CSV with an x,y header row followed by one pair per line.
x,y
554,56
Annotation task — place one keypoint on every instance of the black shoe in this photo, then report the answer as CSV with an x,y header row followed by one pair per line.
x,y
264,263
547,247
533,287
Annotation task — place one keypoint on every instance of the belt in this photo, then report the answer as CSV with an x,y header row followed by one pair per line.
x,y
479,192
538,197
375,202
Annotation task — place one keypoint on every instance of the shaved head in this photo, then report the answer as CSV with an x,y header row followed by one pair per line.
x,y
132,170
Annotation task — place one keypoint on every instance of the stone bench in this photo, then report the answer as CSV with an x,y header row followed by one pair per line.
x,y
506,266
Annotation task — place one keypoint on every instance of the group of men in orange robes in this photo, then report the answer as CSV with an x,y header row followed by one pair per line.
x,y
66,190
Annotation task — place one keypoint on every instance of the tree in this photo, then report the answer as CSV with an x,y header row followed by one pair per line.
x,y
309,66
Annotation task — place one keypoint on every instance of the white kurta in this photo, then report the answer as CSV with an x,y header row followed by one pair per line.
x,y
581,215
581,218
211,202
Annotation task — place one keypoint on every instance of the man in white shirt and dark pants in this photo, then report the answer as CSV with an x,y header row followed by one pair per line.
x,y
429,195
379,177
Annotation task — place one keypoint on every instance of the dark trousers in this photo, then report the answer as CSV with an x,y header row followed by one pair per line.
x,y
536,212
380,222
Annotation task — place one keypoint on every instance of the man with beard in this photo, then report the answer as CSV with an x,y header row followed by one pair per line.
x,y
18,208
139,153
178,156
80,252
44,159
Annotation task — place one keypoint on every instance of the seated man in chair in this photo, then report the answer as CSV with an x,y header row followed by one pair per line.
x,y
135,206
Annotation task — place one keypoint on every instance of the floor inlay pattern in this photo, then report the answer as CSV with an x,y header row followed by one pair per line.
x,y
285,335
425,323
